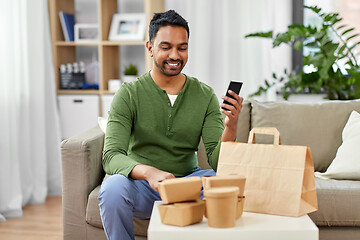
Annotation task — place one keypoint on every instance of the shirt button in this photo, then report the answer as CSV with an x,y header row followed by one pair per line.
x,y
169,115
168,128
169,104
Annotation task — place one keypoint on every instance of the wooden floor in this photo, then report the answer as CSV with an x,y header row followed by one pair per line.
x,y
39,222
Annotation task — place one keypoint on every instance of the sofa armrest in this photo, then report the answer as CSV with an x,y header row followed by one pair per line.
x,y
82,172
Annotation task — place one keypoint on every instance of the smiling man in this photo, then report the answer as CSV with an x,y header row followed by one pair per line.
x,y
154,128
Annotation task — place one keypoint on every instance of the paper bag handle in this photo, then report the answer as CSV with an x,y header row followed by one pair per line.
x,y
266,131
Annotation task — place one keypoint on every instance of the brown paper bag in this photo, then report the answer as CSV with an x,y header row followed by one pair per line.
x,y
279,178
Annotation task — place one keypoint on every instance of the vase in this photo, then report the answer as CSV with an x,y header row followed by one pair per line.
x,y
128,78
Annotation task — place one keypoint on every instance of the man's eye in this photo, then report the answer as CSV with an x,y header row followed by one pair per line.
x,y
183,49
165,48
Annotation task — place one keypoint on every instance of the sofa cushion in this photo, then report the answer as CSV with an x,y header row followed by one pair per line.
x,y
92,209
93,215
242,134
338,202
346,164
317,125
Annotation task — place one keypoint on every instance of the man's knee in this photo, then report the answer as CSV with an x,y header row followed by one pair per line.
x,y
115,189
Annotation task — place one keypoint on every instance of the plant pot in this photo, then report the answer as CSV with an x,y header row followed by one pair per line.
x,y
128,78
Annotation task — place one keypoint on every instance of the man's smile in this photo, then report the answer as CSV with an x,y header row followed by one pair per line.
x,y
172,64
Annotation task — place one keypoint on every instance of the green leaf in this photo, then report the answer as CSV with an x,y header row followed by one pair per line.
x,y
274,75
310,78
342,48
131,70
321,36
296,31
260,34
349,63
355,35
330,48
298,45
331,19
281,38
267,84
312,45
338,19
342,26
348,30
328,17
354,45
315,9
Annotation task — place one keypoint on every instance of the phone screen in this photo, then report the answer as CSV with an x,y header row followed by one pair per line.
x,y
235,87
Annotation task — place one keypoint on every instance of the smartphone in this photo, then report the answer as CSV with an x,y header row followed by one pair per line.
x,y
235,87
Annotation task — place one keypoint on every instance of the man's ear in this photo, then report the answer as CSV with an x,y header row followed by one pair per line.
x,y
149,47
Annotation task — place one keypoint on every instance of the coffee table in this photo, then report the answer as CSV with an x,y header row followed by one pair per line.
x,y
249,226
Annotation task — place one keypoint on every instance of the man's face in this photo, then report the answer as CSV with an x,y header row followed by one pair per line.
x,y
170,49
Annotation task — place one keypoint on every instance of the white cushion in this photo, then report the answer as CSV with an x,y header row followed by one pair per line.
x,y
346,164
102,123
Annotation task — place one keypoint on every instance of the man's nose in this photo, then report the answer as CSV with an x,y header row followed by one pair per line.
x,y
174,54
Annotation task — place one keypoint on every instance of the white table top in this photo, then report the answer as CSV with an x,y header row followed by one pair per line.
x,y
249,226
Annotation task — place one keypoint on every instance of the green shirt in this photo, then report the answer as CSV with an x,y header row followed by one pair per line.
x,y
143,127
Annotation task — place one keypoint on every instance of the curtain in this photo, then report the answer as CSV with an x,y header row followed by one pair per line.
x,y
30,166
218,51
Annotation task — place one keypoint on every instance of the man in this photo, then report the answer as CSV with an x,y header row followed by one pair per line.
x,y
154,128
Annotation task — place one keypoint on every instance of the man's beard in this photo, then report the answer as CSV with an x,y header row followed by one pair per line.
x,y
168,72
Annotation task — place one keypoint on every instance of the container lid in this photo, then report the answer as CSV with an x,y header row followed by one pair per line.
x,y
230,176
189,204
180,180
221,192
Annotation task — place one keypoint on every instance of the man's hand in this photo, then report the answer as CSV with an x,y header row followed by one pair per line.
x,y
150,174
232,116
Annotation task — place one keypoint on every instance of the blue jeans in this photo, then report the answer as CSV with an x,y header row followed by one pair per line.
x,y
121,199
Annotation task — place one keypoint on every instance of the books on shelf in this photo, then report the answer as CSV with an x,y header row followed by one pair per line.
x,y
67,23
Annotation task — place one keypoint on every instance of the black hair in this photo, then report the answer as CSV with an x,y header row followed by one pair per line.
x,y
168,18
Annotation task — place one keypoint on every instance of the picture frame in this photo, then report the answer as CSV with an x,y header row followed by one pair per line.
x,y
128,27
85,32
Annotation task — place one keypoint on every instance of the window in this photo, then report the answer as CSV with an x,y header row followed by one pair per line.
x,y
348,10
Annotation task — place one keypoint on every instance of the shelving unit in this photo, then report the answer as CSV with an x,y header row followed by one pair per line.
x,y
108,51
79,108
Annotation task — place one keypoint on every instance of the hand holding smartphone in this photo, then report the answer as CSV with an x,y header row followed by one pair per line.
x,y
235,87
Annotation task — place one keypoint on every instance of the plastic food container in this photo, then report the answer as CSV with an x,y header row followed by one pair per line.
x,y
221,206
225,181
182,214
180,189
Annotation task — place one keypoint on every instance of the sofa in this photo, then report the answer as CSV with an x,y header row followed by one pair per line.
x,y
317,125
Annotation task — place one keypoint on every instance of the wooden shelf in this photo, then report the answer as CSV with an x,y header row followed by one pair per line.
x,y
108,51
77,91
108,92
114,43
96,43
72,44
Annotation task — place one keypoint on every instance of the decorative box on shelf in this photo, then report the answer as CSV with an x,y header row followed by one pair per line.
x,y
72,76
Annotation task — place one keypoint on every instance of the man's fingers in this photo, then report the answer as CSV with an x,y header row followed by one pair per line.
x,y
236,103
236,96
170,176
227,107
227,113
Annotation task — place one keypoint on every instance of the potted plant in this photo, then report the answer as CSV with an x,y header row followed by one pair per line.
x,y
328,45
130,73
